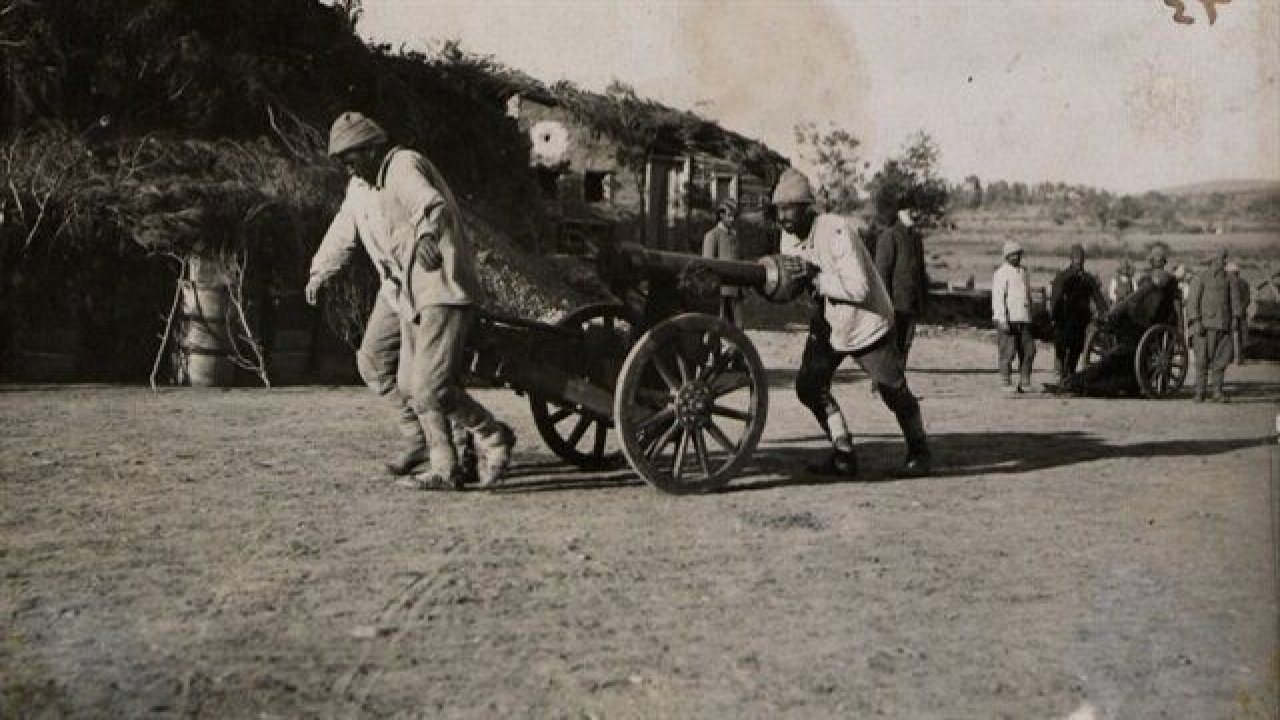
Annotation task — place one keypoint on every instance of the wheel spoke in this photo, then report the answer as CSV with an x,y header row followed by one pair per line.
x,y
601,434
683,366
560,414
700,444
662,415
730,383
718,435
709,353
579,430
729,412
677,465
667,376
663,440
721,361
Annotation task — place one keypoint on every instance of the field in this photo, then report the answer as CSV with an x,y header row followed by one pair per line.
x,y
238,554
973,248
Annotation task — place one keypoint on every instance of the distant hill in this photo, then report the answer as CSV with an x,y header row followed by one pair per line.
x,y
1228,187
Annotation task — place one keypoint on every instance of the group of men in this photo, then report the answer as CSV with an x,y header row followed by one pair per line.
x,y
864,305
1209,305
400,209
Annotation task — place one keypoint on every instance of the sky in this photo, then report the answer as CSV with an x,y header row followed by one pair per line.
x,y
1110,93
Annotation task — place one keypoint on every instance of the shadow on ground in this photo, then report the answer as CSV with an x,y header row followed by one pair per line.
x,y
780,463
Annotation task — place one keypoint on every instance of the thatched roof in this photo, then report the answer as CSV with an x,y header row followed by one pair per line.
x,y
641,124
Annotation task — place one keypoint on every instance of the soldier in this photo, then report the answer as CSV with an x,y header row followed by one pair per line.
x,y
1074,292
899,257
1156,261
852,316
1113,374
1011,312
1121,285
721,242
1241,334
1213,312
399,206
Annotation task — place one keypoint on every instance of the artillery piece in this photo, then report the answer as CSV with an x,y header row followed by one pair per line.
x,y
682,396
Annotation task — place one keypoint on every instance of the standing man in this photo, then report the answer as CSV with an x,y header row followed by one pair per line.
x,y
1011,310
1213,312
1156,261
1121,285
1240,338
852,316
399,206
721,243
900,261
1075,293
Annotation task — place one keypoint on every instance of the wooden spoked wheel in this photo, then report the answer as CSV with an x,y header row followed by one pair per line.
x,y
690,403
1160,361
574,434
1098,341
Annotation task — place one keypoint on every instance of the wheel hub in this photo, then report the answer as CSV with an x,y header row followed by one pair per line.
x,y
693,404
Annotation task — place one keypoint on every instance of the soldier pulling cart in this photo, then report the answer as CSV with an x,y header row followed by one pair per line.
x,y
684,393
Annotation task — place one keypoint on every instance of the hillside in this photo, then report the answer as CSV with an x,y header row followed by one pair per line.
x,y
1226,187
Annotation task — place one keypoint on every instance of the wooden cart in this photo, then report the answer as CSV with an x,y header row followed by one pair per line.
x,y
681,396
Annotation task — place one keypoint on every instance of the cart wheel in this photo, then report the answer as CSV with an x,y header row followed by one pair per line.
x,y
1098,341
573,434
690,404
1160,362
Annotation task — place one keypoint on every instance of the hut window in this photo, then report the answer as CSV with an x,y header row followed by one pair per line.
x,y
724,188
549,183
595,187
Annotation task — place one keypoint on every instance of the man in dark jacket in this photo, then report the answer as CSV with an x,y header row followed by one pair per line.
x,y
1214,311
899,257
1075,293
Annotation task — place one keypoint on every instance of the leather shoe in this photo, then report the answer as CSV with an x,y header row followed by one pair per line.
x,y
917,465
408,461
840,463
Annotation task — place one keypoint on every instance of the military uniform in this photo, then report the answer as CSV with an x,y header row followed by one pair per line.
x,y
899,258
1074,292
1213,310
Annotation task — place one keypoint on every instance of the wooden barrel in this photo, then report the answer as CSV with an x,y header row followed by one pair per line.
x,y
206,337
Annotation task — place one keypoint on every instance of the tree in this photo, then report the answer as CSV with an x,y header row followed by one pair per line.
x,y
973,187
834,153
911,179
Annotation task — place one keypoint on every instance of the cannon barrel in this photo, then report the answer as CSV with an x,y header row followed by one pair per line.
x,y
765,275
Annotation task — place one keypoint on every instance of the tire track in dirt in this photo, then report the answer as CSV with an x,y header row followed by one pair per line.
x,y
221,593
399,616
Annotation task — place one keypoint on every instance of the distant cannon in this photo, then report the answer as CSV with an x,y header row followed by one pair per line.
x,y
685,393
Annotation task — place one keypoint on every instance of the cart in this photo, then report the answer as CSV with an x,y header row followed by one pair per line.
x,y
681,396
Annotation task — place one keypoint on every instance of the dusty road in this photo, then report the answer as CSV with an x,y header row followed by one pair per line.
x,y
238,555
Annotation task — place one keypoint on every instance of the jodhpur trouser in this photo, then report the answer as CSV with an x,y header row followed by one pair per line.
x,y
904,328
433,370
1020,342
880,361
378,360
1213,352
1068,344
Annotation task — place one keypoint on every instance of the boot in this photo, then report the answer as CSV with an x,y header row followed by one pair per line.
x,y
919,462
1199,396
444,472
465,448
1219,395
495,454
413,452
842,462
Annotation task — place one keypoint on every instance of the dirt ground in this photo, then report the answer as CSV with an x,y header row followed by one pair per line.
x,y
239,554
